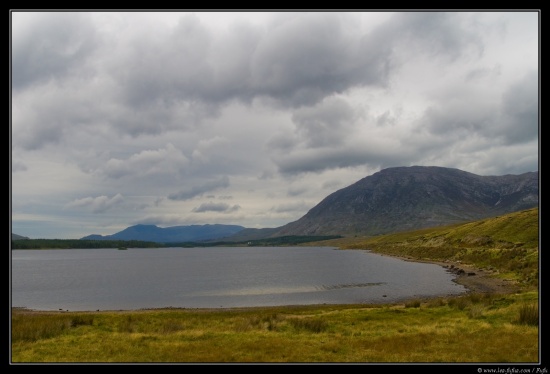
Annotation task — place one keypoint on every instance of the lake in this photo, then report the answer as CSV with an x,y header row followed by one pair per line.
x,y
216,277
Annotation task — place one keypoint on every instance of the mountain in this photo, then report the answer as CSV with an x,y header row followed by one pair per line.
x,y
252,234
408,198
173,234
17,237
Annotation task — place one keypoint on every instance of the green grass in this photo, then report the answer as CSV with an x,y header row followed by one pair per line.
x,y
457,329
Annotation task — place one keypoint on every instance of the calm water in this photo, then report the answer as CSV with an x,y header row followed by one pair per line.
x,y
110,279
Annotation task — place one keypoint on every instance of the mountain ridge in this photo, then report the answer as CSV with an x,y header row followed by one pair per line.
x,y
391,200
171,234
406,198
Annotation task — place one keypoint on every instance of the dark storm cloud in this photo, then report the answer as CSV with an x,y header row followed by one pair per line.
x,y
168,66
52,47
293,207
299,61
216,207
150,82
319,160
328,124
198,190
311,56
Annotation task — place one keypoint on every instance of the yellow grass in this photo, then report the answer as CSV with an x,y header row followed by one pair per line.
x,y
460,329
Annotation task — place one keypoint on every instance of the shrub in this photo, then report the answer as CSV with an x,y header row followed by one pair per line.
x,y
459,302
313,325
412,304
476,311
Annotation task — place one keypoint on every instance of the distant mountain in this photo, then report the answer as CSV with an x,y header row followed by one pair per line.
x,y
17,237
252,234
407,198
173,234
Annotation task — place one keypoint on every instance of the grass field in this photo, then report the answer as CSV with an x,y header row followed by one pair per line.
x,y
470,328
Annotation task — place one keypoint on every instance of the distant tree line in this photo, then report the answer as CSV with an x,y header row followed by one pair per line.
x,y
266,242
78,243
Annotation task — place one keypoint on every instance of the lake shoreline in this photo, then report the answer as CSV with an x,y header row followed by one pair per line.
x,y
475,280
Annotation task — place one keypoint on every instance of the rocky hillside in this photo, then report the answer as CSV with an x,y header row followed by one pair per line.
x,y
407,198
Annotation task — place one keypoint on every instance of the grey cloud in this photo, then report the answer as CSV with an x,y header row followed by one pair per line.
x,y
295,191
514,119
230,57
320,160
385,119
520,107
168,160
199,190
216,207
328,123
303,59
168,66
50,112
311,56
445,34
451,118
53,45
291,207
158,116
98,204
18,166
283,142
483,73
173,78
187,64
331,185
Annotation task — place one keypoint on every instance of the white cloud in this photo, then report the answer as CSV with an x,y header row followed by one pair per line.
x,y
99,204
147,163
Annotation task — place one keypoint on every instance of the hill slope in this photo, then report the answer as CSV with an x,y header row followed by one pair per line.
x,y
507,246
513,230
407,198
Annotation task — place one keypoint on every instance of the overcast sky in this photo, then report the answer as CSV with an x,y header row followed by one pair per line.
x,y
181,118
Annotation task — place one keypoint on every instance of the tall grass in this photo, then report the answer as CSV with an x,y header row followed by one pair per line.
x,y
529,314
450,329
33,327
